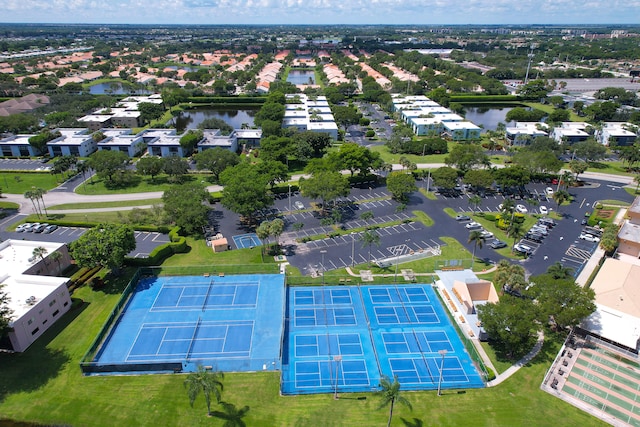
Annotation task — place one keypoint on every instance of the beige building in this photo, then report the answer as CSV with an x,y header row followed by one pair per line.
x,y
617,318
629,234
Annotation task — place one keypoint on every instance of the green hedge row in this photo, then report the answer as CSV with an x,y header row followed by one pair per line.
x,y
81,277
226,100
485,98
178,244
66,223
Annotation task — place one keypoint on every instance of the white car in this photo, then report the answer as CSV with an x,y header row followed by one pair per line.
x,y
473,225
521,209
486,234
548,191
299,205
528,250
23,227
589,237
543,210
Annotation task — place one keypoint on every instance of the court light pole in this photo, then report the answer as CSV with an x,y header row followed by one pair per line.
x,y
353,248
336,359
289,197
322,264
443,353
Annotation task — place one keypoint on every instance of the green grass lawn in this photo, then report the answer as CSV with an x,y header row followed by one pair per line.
x,y
95,205
613,168
9,205
549,108
45,385
395,158
19,183
142,184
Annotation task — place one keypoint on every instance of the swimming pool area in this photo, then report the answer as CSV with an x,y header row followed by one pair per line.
x,y
323,338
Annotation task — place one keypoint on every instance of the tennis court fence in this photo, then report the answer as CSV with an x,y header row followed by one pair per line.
x,y
469,346
214,270
87,364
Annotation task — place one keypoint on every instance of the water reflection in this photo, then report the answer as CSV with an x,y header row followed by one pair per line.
x,y
301,77
235,117
488,117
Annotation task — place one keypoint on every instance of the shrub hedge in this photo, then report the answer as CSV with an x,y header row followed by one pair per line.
x,y
177,244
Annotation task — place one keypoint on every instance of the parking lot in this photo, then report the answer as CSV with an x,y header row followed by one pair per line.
x,y
23,164
561,244
145,241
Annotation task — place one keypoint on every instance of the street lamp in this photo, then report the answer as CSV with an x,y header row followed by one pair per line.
x,y
336,359
443,353
353,248
424,147
428,179
322,264
289,196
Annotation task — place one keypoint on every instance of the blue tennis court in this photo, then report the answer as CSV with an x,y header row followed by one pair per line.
x,y
248,240
346,337
227,322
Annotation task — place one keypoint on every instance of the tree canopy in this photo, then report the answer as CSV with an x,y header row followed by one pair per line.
x,y
105,245
326,186
401,184
108,163
467,156
244,190
216,160
183,205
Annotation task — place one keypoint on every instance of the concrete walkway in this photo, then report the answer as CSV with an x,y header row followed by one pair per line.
x,y
351,273
520,363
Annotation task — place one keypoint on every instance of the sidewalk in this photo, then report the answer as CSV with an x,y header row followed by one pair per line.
x,y
520,363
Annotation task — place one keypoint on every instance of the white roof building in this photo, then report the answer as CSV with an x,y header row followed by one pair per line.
x,y
36,298
310,115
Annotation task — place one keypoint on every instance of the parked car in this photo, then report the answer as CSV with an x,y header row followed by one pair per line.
x,y
486,234
497,244
548,191
23,227
589,238
539,230
535,237
547,221
543,210
33,226
521,209
462,218
473,226
522,248
50,228
40,228
299,205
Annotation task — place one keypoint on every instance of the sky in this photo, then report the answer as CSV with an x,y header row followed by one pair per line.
x,y
395,12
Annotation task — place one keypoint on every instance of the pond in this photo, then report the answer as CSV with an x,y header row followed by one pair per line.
x,y
301,77
190,119
115,88
488,117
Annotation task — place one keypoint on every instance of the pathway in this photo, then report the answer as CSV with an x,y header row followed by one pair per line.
x,y
520,363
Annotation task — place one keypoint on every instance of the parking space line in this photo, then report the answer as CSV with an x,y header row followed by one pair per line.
x,y
363,258
335,267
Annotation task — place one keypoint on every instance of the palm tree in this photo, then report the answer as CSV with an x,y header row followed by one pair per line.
x,y
370,238
40,252
207,382
390,394
475,201
559,271
478,240
30,194
56,256
515,230
560,197
39,193
231,415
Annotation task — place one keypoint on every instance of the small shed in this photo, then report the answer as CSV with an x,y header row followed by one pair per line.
x,y
219,245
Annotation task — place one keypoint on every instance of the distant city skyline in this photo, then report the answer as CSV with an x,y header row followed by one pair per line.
x,y
395,12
